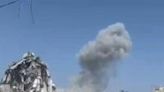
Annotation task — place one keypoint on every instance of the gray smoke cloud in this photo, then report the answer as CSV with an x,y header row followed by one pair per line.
x,y
98,58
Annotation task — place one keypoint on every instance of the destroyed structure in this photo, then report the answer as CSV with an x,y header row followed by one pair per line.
x,y
29,74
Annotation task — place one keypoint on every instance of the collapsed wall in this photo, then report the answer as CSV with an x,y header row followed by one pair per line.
x,y
29,74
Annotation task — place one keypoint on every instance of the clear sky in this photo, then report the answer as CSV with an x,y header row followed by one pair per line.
x,y
63,26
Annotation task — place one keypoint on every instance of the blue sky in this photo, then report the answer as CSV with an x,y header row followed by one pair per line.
x,y
63,26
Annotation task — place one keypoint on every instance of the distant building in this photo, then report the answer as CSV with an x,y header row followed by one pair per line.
x,y
160,89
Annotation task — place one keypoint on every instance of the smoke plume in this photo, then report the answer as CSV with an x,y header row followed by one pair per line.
x,y
98,58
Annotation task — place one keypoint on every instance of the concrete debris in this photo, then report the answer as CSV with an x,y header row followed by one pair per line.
x,y
29,74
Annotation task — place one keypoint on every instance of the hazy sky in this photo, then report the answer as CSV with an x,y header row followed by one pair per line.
x,y
63,26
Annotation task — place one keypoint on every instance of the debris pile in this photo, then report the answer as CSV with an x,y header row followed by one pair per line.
x,y
29,74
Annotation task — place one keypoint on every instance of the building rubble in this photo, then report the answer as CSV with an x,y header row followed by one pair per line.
x,y
29,74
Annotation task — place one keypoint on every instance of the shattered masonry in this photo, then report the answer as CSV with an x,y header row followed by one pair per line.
x,y
30,74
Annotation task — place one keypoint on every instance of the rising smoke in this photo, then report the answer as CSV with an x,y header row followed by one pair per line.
x,y
98,58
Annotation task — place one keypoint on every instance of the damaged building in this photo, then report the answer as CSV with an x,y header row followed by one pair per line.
x,y
29,74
